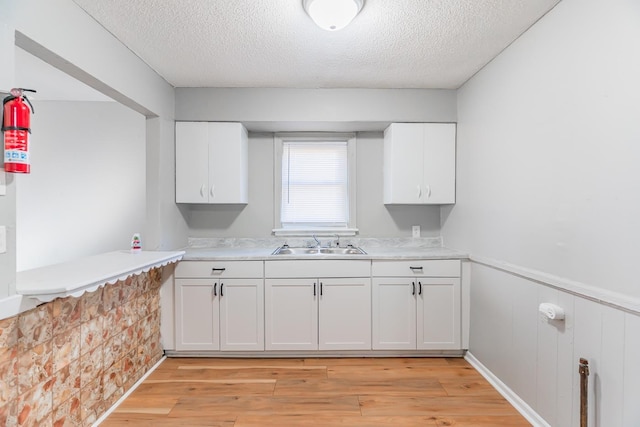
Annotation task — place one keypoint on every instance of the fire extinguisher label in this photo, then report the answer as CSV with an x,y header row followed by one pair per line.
x,y
13,156
16,146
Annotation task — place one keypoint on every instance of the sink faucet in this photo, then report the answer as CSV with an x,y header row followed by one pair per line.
x,y
317,241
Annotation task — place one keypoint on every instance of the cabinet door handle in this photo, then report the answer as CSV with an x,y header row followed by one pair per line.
x,y
203,190
221,285
420,288
314,289
427,191
320,288
212,189
419,191
413,288
215,289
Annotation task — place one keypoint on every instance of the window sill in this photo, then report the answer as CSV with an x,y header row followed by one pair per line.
x,y
319,232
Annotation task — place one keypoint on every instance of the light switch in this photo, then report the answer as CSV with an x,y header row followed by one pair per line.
x,y
415,231
3,239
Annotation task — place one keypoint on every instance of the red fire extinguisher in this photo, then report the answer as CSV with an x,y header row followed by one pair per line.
x,y
16,127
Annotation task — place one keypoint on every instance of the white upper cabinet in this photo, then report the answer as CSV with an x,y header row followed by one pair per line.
x,y
420,163
211,163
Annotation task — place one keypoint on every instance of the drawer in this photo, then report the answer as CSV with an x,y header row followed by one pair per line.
x,y
227,269
317,268
419,268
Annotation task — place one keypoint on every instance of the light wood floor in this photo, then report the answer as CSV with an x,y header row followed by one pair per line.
x,y
315,392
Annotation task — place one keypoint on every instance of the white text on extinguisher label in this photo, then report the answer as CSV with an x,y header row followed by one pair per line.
x,y
16,146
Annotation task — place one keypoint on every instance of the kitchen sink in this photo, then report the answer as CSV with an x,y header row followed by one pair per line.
x,y
349,250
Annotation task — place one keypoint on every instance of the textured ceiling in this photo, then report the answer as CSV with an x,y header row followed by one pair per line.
x,y
273,43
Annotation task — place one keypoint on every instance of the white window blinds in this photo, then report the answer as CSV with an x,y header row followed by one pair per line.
x,y
315,187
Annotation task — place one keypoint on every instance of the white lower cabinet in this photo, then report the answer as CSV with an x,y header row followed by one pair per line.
x,y
415,311
315,305
291,311
344,318
218,313
317,313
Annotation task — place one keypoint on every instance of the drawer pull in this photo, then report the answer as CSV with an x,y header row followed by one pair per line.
x,y
415,268
218,269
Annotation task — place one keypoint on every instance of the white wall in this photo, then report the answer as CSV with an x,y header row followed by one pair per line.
x,y
548,148
538,359
256,219
86,191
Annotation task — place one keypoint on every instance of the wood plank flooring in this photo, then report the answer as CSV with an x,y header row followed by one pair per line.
x,y
371,392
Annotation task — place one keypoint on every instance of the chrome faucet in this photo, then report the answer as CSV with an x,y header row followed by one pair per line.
x,y
317,241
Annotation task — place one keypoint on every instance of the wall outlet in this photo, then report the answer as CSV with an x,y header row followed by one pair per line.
x,y
415,231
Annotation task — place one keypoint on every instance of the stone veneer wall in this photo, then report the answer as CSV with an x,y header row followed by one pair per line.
x,y
65,363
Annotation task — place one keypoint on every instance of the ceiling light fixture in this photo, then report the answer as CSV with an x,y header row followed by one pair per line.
x,y
332,15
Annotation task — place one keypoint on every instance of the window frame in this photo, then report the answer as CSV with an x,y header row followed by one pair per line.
x,y
279,139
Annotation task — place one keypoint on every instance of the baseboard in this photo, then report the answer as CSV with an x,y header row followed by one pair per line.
x,y
515,400
311,353
124,396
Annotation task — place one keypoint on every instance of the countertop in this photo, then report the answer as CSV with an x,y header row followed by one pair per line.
x,y
86,274
372,253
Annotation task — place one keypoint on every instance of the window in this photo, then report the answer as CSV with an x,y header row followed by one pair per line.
x,y
315,184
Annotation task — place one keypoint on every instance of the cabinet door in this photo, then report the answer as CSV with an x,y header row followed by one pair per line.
x,y
291,314
192,167
345,314
403,163
439,314
241,314
228,163
439,163
394,313
197,314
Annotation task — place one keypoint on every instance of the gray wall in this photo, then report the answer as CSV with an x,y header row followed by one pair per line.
x,y
256,219
8,201
278,109
264,111
85,194
548,204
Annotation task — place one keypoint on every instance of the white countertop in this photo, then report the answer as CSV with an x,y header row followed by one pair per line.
x,y
86,274
264,254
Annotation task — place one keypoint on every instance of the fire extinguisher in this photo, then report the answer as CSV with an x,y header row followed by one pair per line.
x,y
16,122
